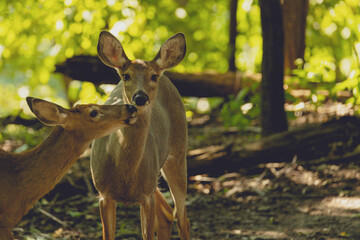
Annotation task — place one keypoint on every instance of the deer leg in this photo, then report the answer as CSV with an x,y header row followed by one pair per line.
x,y
6,234
147,214
163,217
108,217
175,173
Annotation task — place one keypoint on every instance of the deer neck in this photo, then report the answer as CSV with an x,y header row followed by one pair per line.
x,y
45,165
132,141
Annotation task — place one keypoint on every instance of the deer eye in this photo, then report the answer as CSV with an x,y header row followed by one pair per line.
x,y
154,77
126,77
93,113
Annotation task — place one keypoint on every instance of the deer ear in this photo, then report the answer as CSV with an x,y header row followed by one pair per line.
x,y
111,51
171,52
48,113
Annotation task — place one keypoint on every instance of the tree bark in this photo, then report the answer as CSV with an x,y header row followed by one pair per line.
x,y
232,34
273,117
294,23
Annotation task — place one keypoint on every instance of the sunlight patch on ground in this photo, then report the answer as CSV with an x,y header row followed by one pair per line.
x,y
306,112
312,231
297,174
233,183
347,173
351,203
258,233
334,206
305,177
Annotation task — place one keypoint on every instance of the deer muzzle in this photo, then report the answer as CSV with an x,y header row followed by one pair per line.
x,y
140,98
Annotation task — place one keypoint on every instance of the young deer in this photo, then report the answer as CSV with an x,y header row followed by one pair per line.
x,y
126,164
27,176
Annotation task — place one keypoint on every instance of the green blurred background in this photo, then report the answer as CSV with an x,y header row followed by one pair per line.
x,y
37,34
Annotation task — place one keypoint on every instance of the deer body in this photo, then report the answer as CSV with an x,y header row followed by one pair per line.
x,y
126,164
27,176
137,163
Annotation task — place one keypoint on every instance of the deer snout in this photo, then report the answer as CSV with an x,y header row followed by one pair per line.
x,y
131,109
132,118
140,98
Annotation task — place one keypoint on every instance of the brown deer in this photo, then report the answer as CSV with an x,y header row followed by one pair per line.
x,y
126,164
26,177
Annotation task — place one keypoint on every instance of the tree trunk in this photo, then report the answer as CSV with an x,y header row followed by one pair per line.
x,y
232,34
294,23
273,117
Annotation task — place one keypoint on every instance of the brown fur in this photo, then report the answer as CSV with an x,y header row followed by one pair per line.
x,y
126,164
27,176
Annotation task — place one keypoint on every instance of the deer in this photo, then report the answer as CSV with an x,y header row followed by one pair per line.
x,y
126,164
27,176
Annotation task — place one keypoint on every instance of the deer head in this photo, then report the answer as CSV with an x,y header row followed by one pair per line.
x,y
140,78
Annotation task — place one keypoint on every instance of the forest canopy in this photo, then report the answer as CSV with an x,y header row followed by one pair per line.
x,y
37,35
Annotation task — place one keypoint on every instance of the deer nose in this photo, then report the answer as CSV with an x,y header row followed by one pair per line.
x,y
140,98
131,108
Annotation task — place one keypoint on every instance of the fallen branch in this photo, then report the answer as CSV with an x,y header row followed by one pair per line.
x,y
346,158
52,217
329,142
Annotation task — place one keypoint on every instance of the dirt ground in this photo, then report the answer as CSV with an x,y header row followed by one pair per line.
x,y
276,202
273,201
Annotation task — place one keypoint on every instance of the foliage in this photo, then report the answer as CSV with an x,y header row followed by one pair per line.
x,y
201,105
241,110
332,60
35,35
332,39
249,40
27,135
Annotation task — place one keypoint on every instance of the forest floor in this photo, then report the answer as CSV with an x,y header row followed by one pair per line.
x,y
271,201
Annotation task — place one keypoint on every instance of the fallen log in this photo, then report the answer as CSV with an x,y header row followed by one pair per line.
x,y
315,143
18,120
333,142
346,158
207,84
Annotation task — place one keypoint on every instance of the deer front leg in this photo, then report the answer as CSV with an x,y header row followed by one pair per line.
x,y
164,217
174,171
147,214
108,217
